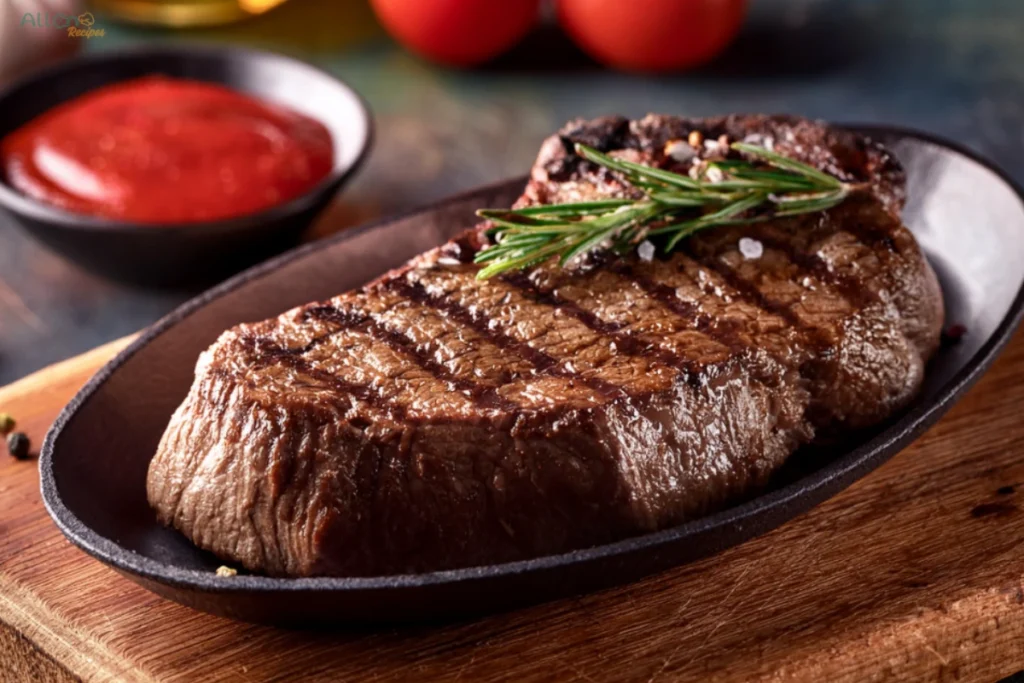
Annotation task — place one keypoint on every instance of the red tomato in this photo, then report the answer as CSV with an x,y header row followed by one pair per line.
x,y
457,32
652,35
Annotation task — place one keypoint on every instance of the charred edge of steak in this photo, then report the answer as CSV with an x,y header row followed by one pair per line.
x,y
847,155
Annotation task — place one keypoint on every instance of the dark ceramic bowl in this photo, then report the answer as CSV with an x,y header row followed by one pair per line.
x,y
175,254
968,217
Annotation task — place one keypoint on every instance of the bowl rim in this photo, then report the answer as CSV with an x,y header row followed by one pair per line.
x,y
858,461
27,207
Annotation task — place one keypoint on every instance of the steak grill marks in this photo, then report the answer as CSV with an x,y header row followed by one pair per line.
x,y
855,293
542,362
266,352
850,289
715,329
819,343
484,396
487,396
816,338
624,342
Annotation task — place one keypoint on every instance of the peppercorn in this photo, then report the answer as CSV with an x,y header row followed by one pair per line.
x,y
18,445
7,423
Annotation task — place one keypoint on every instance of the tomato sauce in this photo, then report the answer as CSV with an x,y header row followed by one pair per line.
x,y
163,150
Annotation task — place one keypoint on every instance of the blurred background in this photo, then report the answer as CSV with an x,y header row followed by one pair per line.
x,y
469,89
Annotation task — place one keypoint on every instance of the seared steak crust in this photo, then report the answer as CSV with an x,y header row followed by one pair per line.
x,y
431,420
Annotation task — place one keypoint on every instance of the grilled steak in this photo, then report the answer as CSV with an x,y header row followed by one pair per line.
x,y
431,420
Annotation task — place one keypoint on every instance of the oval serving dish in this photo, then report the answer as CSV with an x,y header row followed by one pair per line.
x,y
967,215
172,254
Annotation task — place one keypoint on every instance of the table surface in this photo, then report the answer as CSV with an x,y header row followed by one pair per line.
x,y
955,68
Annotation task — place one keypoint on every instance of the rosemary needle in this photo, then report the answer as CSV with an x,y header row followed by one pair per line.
x,y
673,205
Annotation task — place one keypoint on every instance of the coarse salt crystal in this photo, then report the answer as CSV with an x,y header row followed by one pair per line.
x,y
765,141
680,151
750,248
645,250
714,175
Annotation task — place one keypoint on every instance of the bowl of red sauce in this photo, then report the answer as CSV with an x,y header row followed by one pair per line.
x,y
172,165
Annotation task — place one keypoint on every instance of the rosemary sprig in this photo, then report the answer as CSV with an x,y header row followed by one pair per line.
x,y
672,208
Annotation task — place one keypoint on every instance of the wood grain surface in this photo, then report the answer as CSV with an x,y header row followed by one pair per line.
x,y
916,572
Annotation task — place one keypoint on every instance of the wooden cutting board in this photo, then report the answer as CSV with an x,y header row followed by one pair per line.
x,y
916,572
